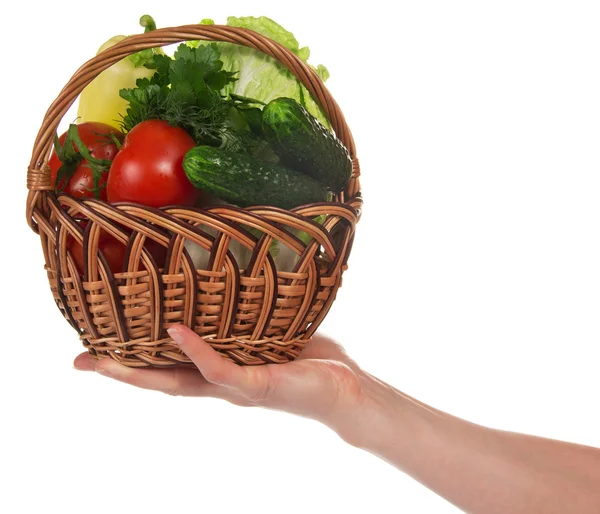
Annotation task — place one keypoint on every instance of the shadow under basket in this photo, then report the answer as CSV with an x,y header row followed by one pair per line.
x,y
247,309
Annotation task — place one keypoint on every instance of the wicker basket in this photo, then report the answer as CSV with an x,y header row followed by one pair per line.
x,y
252,316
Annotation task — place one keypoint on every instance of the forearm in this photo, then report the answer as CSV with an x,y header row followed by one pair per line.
x,y
478,469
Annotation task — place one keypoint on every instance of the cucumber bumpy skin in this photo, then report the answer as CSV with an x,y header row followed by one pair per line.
x,y
241,180
304,144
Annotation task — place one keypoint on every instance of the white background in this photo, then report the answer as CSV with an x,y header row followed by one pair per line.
x,y
474,283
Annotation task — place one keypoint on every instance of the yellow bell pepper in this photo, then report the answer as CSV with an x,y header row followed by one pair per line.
x,y
100,100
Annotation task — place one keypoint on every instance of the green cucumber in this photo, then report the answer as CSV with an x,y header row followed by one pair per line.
x,y
304,144
241,180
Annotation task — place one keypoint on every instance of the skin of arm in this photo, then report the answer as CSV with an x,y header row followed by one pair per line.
x,y
478,469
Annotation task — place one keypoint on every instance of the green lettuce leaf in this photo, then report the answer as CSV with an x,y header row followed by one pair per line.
x,y
262,77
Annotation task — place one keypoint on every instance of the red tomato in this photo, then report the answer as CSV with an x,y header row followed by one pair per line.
x,y
112,249
114,252
149,168
76,252
96,137
158,252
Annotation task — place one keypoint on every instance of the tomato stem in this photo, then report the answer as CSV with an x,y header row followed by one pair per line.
x,y
115,140
69,158
98,166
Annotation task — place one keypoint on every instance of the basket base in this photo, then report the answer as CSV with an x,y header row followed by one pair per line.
x,y
165,354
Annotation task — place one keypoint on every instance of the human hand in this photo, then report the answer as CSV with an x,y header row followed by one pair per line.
x,y
323,383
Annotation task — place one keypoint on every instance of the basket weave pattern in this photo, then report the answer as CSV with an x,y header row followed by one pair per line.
x,y
252,316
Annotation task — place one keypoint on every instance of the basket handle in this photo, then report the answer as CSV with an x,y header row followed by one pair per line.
x,y
38,173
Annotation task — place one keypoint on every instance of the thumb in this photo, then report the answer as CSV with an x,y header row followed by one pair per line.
x,y
251,382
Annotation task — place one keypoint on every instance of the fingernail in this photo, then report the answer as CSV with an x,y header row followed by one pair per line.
x,y
104,371
175,335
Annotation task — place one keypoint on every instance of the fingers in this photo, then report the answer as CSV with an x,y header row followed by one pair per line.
x,y
253,383
84,362
218,377
175,381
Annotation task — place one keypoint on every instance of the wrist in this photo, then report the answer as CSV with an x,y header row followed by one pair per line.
x,y
392,425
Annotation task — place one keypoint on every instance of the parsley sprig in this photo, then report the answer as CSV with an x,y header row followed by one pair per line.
x,y
185,91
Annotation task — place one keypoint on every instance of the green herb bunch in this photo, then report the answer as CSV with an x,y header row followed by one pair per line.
x,y
185,91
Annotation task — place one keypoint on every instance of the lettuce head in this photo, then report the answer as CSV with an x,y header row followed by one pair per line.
x,y
261,77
